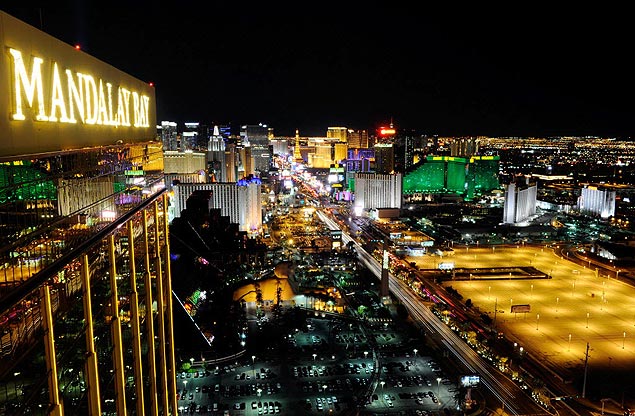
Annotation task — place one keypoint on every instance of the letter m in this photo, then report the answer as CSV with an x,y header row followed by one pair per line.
x,y
27,86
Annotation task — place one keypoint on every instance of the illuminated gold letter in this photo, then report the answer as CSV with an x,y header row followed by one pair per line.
x,y
57,97
123,114
103,110
91,99
111,120
30,85
75,96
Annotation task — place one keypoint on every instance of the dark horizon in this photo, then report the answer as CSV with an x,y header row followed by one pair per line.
x,y
544,75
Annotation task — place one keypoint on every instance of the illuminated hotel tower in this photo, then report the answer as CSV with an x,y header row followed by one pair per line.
x,y
216,157
520,202
85,287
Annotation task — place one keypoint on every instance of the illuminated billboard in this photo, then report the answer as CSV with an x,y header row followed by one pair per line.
x,y
470,381
55,97
386,131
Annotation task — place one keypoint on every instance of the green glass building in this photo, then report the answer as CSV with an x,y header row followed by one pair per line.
x,y
453,175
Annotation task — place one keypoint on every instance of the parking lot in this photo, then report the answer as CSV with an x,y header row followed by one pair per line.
x,y
328,368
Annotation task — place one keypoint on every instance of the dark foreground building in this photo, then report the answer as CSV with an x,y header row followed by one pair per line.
x,y
85,305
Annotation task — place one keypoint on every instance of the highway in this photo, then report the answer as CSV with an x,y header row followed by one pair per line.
x,y
512,398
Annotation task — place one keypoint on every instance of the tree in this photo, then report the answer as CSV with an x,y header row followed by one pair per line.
x,y
402,311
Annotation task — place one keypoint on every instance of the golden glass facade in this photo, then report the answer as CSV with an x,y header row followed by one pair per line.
x,y
85,289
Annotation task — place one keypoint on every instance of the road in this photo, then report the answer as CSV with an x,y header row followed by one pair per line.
x,y
514,400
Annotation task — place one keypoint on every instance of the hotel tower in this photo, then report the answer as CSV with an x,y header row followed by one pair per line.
x,y
85,304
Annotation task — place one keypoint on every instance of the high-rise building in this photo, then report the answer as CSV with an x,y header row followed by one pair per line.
x,y
216,156
520,202
597,201
190,136
240,201
257,136
464,147
374,190
231,163
246,167
340,134
358,139
85,293
184,162
453,175
280,146
384,158
169,135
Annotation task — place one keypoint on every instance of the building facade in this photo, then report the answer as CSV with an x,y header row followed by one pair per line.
x,y
520,203
374,191
85,287
597,201
240,201
257,136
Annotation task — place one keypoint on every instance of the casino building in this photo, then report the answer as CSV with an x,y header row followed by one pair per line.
x,y
85,305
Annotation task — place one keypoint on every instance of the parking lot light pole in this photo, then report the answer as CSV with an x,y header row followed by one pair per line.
x,y
314,355
438,388
415,360
253,365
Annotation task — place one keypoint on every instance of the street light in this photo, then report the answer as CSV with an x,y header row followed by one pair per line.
x,y
365,354
415,360
382,384
314,355
438,388
253,365
191,362
537,320
624,340
587,319
569,348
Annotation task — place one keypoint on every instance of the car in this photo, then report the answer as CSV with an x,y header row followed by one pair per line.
x,y
254,405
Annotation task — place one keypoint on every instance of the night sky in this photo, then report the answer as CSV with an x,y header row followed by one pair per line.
x,y
497,72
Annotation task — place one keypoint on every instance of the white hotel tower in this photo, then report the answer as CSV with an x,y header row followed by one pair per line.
x,y
597,202
520,203
374,190
240,201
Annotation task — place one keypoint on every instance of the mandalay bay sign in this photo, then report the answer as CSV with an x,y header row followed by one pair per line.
x,y
54,97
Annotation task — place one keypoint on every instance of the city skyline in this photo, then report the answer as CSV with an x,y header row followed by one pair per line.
x,y
543,76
